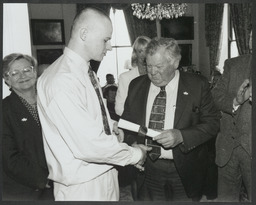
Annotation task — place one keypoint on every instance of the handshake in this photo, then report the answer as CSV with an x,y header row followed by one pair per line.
x,y
167,139
144,149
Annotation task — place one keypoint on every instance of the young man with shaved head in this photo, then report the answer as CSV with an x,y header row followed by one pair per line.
x,y
81,144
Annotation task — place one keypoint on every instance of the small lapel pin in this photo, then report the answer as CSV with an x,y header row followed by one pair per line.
x,y
185,93
24,119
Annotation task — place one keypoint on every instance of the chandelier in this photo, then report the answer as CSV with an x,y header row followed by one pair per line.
x,y
158,11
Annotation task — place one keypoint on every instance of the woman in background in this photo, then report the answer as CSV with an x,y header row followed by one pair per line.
x,y
139,68
24,166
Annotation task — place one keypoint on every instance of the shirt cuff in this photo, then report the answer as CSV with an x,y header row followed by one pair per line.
x,y
136,155
166,154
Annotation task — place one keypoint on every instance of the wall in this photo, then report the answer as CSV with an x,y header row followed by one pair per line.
x,y
192,10
66,12
15,21
200,53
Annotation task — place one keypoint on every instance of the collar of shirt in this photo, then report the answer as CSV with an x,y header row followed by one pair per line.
x,y
82,66
169,87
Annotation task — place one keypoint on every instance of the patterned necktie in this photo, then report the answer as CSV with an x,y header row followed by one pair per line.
x,y
103,110
156,122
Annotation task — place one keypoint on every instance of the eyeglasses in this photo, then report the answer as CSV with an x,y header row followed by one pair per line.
x,y
25,71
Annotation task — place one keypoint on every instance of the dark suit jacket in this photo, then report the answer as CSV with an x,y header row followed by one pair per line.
x,y
236,70
243,126
196,118
24,163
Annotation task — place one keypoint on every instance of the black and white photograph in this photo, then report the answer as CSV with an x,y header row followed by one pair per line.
x,y
126,101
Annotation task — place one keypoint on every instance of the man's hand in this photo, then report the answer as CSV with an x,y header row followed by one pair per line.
x,y
242,93
118,132
144,150
169,138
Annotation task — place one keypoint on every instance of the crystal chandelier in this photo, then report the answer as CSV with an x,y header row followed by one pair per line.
x,y
158,11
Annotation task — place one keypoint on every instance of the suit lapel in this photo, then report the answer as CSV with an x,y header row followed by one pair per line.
x,y
144,98
183,97
17,105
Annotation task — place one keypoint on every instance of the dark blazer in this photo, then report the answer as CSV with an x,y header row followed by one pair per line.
x,y
196,118
236,70
243,127
24,165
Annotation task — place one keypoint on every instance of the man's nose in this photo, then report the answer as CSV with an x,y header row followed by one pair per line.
x,y
153,70
109,47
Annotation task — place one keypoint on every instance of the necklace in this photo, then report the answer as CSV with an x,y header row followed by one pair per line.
x,y
32,109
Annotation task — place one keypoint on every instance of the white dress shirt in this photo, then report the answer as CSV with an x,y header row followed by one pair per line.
x,y
122,91
76,147
171,98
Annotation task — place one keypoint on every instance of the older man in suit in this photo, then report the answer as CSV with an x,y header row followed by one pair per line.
x,y
233,144
176,167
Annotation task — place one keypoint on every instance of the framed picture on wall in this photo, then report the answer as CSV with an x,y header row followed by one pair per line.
x,y
48,56
181,28
186,54
47,31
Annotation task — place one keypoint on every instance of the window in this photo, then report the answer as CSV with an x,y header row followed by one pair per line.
x,y
228,41
233,51
114,61
16,33
224,39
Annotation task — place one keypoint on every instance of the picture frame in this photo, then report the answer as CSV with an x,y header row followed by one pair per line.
x,y
48,31
181,28
48,56
186,54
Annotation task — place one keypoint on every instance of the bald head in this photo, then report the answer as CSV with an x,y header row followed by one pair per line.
x,y
88,17
91,34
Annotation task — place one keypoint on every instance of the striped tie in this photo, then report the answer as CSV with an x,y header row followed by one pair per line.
x,y
156,122
103,110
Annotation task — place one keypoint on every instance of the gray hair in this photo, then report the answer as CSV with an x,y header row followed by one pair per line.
x,y
171,46
11,58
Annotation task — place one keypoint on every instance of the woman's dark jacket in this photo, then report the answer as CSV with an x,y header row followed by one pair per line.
x,y
24,166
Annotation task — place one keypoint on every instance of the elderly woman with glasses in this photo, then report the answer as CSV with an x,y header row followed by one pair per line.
x,y
24,166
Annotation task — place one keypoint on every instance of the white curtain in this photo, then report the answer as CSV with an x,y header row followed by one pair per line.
x,y
16,33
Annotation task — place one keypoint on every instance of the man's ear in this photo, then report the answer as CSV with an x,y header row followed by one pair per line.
x,y
176,63
83,33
